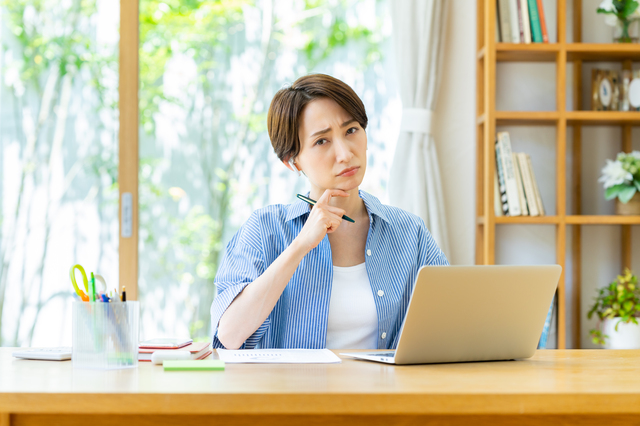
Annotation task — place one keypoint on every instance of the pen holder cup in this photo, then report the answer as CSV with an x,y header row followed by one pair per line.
x,y
105,335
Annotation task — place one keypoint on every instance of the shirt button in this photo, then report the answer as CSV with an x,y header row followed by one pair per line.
x,y
368,252
380,293
384,334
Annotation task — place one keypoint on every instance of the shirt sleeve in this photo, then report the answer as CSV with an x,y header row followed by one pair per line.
x,y
428,251
242,263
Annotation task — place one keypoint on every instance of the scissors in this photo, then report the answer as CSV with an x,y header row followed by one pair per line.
x,y
84,296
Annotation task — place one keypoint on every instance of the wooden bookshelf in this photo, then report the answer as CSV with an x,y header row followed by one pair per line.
x,y
489,53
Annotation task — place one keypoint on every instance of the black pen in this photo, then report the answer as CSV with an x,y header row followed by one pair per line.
x,y
313,203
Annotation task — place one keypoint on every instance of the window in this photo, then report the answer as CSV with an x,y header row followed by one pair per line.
x,y
207,73
58,160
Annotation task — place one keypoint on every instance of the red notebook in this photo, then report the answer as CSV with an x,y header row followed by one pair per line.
x,y
198,350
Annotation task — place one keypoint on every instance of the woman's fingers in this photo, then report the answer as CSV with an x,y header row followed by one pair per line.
x,y
335,210
328,193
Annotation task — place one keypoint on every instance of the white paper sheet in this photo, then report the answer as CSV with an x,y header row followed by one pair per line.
x,y
279,356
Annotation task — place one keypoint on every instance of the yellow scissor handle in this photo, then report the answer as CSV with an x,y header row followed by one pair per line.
x,y
83,296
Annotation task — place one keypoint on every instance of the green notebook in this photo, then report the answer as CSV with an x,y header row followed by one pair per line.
x,y
193,365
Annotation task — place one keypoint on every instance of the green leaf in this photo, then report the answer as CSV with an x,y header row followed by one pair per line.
x,y
626,194
636,183
629,8
613,191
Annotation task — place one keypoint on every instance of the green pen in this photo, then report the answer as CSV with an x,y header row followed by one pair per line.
x,y
93,288
313,203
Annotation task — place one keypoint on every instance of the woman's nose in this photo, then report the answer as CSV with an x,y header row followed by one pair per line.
x,y
343,151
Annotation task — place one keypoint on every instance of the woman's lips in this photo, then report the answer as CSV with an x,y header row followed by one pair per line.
x,y
349,172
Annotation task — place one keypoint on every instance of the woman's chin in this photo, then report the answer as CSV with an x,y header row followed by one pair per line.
x,y
349,185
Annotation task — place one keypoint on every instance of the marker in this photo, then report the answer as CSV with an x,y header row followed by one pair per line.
x,y
93,288
313,203
124,294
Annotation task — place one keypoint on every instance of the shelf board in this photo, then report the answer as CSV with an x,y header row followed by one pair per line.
x,y
534,52
603,220
569,220
548,52
545,118
583,118
602,52
599,118
527,220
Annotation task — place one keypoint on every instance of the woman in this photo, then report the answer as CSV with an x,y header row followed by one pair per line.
x,y
296,276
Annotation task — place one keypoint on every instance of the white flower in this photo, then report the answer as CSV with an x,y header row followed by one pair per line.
x,y
608,6
613,174
611,20
635,154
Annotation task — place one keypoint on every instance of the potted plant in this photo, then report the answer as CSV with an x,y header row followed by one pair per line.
x,y
621,180
617,307
623,15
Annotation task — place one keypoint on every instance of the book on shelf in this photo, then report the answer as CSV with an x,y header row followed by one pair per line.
x,y
504,203
543,23
536,30
518,7
497,201
504,15
542,343
520,21
199,350
498,36
516,191
535,186
523,201
525,23
514,21
527,180
510,183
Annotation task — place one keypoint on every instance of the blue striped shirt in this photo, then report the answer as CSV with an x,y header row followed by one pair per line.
x,y
398,244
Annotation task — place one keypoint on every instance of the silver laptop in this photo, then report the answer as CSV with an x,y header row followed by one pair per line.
x,y
473,313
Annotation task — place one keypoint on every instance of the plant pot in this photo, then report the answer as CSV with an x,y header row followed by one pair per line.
x,y
632,207
627,336
626,32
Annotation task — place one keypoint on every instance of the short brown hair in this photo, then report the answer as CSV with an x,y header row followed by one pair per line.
x,y
283,119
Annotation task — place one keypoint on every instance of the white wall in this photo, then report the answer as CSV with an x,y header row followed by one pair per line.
x,y
526,87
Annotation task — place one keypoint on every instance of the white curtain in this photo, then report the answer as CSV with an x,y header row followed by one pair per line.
x,y
414,181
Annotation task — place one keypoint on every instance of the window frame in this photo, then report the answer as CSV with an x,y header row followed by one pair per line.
x,y
128,153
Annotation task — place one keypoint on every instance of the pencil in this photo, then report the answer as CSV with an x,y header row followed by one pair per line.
x,y
313,203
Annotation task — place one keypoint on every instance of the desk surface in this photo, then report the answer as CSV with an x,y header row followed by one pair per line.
x,y
552,382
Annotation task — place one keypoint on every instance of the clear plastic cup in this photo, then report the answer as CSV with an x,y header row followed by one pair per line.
x,y
105,335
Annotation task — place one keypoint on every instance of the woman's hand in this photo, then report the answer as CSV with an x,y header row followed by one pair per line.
x,y
322,220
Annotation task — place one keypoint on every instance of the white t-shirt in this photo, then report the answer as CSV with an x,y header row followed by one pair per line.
x,y
353,321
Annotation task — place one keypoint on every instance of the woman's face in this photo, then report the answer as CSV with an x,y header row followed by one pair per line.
x,y
332,146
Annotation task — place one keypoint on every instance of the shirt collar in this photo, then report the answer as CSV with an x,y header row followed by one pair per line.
x,y
373,205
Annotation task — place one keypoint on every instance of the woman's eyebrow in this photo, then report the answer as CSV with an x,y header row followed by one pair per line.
x,y
319,132
346,123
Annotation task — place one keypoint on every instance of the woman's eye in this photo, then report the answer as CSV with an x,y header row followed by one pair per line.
x,y
352,130
321,141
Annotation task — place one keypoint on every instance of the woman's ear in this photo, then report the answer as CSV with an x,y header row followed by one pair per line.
x,y
291,165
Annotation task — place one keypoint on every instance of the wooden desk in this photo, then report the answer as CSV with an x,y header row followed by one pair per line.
x,y
568,386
